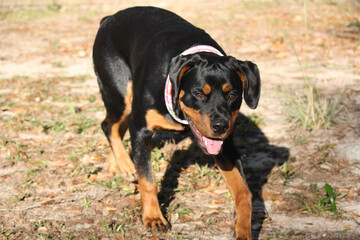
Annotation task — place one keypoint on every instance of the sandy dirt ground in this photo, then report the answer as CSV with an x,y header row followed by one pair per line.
x,y
54,177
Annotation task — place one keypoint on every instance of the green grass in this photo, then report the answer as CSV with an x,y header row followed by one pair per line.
x,y
288,236
116,183
87,170
114,229
21,196
156,157
53,126
86,202
300,141
28,14
203,176
324,152
180,210
330,198
287,173
320,201
309,108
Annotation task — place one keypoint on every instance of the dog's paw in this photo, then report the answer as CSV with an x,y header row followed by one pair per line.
x,y
125,167
242,233
127,171
156,224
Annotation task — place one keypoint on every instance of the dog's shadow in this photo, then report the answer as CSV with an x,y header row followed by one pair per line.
x,y
257,155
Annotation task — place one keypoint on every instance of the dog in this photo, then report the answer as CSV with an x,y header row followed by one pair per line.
x,y
158,72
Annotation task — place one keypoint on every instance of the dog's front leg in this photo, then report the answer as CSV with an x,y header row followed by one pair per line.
x,y
238,188
141,148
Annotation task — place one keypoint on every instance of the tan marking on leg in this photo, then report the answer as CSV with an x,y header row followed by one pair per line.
x,y
242,199
113,167
156,121
120,160
152,216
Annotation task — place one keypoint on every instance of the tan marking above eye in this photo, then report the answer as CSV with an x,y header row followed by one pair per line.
x,y
206,89
226,87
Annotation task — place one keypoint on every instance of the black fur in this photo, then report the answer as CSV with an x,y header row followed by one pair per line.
x,y
143,45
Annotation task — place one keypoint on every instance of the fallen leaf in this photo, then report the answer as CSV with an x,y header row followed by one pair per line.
x,y
347,227
89,221
110,208
48,202
43,229
73,211
92,178
281,55
98,158
217,201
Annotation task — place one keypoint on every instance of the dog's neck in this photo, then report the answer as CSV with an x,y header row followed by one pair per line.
x,y
168,85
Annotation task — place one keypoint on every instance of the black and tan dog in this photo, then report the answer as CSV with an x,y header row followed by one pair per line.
x,y
157,72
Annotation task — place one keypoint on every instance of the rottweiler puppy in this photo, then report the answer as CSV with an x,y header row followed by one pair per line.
x,y
158,72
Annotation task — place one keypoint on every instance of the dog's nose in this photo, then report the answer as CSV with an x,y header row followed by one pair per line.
x,y
219,126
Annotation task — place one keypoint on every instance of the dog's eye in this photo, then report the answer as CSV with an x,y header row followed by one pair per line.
x,y
232,97
199,95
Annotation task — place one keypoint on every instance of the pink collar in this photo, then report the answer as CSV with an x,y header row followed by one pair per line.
x,y
168,85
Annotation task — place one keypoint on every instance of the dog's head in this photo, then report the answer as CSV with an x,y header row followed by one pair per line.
x,y
207,91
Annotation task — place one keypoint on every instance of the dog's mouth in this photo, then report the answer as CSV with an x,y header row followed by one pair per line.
x,y
209,145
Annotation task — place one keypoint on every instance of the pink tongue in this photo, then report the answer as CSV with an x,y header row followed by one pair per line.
x,y
212,146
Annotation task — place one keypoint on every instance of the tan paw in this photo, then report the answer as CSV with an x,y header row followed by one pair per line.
x,y
242,232
113,167
127,170
157,223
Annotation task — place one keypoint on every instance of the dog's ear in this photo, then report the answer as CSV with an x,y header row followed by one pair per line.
x,y
250,77
179,65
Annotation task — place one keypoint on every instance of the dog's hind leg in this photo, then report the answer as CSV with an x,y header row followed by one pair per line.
x,y
114,127
114,78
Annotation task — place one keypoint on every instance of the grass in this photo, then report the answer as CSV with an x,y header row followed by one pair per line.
x,y
203,176
86,202
330,198
180,210
309,108
300,141
288,236
320,201
114,229
287,173
156,157
324,152
117,183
